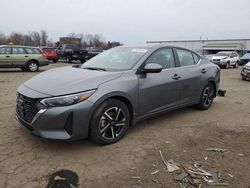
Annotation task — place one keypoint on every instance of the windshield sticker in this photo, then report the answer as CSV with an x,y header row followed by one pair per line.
x,y
140,50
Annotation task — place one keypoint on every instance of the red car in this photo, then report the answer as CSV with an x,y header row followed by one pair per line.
x,y
50,53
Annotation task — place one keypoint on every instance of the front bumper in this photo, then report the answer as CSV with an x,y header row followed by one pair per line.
x,y
245,72
62,123
43,63
219,62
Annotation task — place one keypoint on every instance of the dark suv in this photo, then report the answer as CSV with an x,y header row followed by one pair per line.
x,y
72,52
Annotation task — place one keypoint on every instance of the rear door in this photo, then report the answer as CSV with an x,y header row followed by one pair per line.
x,y
19,56
5,56
190,74
158,91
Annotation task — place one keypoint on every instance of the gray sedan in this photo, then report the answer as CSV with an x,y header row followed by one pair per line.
x,y
102,98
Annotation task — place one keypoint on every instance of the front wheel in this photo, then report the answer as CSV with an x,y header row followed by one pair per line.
x,y
207,97
32,66
110,122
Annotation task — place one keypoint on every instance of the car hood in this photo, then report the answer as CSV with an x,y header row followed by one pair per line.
x,y
219,57
247,65
68,80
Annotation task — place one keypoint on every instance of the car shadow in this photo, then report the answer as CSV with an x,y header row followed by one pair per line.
x,y
74,145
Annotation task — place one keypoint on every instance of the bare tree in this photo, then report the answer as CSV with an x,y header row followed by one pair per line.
x,y
44,38
3,38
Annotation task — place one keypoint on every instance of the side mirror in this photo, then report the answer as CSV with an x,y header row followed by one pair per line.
x,y
152,68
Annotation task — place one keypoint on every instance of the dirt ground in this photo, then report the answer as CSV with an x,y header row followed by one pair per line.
x,y
184,135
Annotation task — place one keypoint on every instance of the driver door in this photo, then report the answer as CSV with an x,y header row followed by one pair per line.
x,y
159,91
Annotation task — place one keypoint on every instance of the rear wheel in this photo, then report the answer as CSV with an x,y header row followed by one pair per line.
x,y
207,97
55,60
32,66
69,59
227,65
236,64
110,122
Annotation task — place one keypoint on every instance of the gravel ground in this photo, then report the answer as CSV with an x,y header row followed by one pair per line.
x,y
184,135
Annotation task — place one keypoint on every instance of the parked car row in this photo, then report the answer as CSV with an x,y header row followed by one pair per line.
x,y
31,58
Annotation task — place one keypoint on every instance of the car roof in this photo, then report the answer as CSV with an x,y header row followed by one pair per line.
x,y
155,46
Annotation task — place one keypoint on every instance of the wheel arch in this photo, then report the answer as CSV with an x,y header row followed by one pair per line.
x,y
119,96
214,85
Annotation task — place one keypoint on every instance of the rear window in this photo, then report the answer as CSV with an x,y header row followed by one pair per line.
x,y
33,51
185,57
196,58
48,49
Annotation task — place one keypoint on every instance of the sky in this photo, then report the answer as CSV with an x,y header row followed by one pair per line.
x,y
129,21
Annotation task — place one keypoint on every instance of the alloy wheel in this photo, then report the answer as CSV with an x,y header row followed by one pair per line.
x,y
33,67
112,123
208,96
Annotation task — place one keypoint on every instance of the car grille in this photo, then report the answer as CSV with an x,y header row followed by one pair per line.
x,y
246,69
26,108
216,60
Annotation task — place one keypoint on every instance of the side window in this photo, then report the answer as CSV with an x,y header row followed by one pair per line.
x,y
163,57
185,57
28,50
18,51
5,50
2,51
196,58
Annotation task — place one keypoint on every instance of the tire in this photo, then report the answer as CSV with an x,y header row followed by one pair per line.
x,y
32,66
207,97
236,65
227,65
110,122
69,59
55,60
244,78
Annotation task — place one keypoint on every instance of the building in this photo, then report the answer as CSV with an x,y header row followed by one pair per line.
x,y
210,47
69,40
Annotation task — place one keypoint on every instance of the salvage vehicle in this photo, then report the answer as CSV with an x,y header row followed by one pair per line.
x,y
245,59
226,59
245,73
72,52
50,53
112,91
25,57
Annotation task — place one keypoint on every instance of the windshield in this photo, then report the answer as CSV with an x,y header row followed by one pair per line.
x,y
246,56
121,58
222,54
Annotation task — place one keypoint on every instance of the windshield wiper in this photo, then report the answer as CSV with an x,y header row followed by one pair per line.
x,y
94,68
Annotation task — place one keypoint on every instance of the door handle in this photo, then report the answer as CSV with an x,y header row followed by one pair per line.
x,y
26,56
7,56
176,77
203,71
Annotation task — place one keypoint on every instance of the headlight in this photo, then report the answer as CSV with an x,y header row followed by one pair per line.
x,y
67,99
